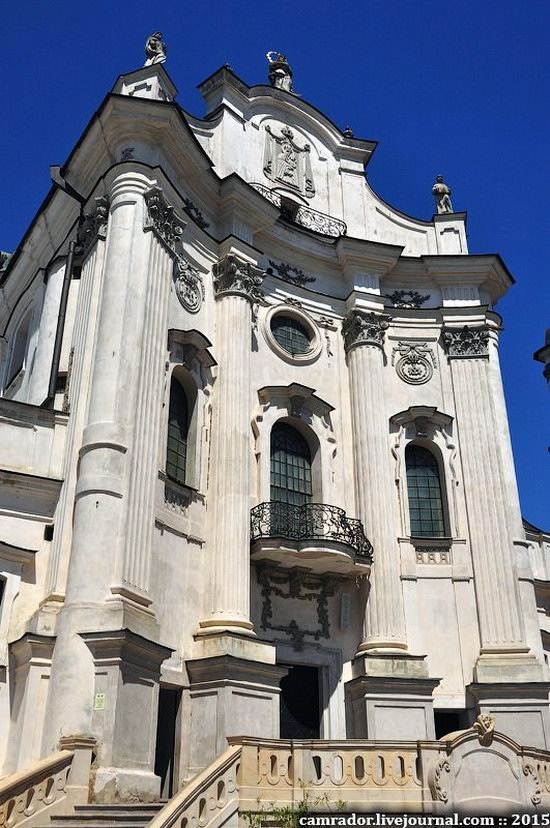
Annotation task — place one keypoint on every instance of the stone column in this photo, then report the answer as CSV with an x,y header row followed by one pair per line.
x,y
237,287
107,581
374,486
509,682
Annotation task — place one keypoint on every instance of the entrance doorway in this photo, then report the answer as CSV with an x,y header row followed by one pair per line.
x,y
169,702
300,707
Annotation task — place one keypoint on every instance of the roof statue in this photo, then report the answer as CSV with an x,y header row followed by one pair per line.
x,y
155,49
442,195
280,73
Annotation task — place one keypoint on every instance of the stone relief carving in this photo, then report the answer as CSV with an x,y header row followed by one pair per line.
x,y
93,225
484,726
233,275
168,227
433,555
193,211
280,73
155,49
467,342
407,298
302,586
443,767
364,329
416,363
289,273
442,195
127,154
288,163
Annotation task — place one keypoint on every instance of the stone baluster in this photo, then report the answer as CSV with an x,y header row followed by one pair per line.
x,y
495,577
236,285
375,490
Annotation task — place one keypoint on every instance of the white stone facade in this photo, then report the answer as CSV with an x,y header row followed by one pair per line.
x,y
122,585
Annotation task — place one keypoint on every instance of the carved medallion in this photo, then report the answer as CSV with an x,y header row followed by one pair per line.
x,y
416,363
287,163
188,285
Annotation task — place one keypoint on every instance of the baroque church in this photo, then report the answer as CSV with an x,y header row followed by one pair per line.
x,y
260,535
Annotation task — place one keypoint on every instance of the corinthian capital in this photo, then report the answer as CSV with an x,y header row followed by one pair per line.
x,y
467,342
235,276
364,329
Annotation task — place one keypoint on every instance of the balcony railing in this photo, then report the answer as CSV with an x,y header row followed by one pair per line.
x,y
305,216
309,522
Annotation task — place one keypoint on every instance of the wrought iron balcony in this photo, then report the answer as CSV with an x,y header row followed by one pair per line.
x,y
312,526
305,216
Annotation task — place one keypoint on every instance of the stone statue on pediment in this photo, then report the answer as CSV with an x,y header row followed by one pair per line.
x,y
155,49
280,73
442,195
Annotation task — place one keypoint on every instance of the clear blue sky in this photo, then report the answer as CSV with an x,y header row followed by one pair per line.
x,y
461,88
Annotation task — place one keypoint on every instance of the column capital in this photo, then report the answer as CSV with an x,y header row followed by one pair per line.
x,y
93,225
163,220
234,276
467,341
364,329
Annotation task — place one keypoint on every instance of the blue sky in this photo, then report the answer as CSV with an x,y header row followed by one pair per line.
x,y
457,88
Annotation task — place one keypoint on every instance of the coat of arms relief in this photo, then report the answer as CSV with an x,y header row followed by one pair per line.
x,y
285,162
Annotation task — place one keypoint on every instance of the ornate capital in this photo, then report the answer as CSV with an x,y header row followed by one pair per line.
x,y
162,219
236,277
364,329
93,225
467,342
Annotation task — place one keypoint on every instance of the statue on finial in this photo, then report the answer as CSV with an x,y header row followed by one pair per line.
x,y
442,195
155,49
280,73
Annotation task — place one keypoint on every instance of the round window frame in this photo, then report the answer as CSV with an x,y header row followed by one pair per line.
x,y
291,312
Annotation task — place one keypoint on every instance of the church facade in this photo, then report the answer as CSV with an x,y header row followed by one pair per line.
x,y
256,473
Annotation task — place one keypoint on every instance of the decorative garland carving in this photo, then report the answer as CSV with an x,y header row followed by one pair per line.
x,y
467,342
93,225
364,329
414,366
168,227
407,298
290,274
234,276
440,792
193,211
302,586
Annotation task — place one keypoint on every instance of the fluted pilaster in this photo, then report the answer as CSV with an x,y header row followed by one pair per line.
x,y
501,627
237,286
364,338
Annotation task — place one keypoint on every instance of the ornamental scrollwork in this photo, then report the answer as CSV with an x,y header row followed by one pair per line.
x,y
364,329
440,792
93,225
193,211
467,342
235,276
300,585
407,298
289,273
416,363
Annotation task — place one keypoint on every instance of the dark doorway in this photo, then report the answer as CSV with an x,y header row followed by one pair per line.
x,y
169,702
300,709
448,721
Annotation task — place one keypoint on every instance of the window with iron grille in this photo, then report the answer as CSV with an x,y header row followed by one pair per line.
x,y
178,426
290,466
291,334
424,492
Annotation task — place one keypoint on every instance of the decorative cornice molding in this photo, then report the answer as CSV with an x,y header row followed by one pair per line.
x,y
467,342
233,276
364,329
93,225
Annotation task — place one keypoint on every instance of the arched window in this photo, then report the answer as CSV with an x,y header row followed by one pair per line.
x,y
178,427
424,492
290,466
19,348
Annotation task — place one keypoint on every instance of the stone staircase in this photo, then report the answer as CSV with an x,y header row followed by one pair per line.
x,y
124,815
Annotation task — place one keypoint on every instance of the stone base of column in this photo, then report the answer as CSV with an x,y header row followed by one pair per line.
x,y
521,709
513,666
390,697
218,625
124,718
234,691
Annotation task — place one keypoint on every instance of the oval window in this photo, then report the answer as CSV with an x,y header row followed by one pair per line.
x,y
291,334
